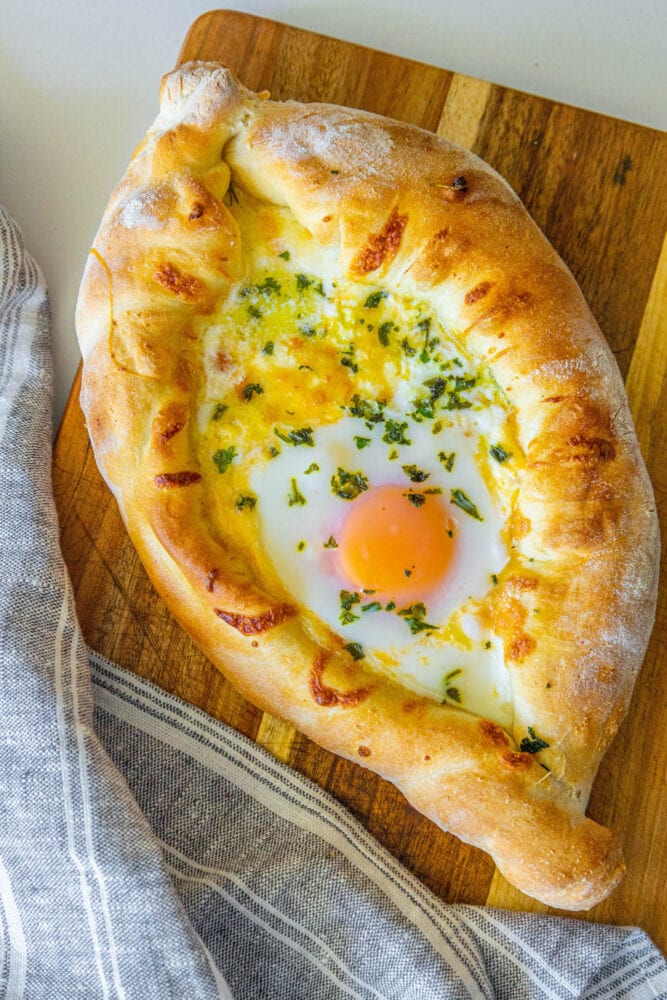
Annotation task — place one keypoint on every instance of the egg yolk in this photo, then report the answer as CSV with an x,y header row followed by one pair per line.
x,y
399,549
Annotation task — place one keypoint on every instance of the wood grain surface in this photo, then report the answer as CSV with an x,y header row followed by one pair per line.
x,y
598,188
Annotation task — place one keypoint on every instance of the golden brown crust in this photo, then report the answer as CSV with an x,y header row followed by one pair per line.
x,y
574,609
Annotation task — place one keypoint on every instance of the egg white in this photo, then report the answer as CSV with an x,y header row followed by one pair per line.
x,y
294,535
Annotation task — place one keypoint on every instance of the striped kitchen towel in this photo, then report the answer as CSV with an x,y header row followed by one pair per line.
x,y
149,851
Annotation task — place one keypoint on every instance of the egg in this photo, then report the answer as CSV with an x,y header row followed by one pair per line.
x,y
386,543
369,461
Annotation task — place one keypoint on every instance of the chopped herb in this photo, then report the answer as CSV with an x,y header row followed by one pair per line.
x,y
335,171
305,368
395,433
494,579
313,467
347,600
302,282
246,503
302,436
437,427
295,497
393,454
252,388
301,546
498,452
423,410
373,606
220,408
465,503
457,362
447,460
330,543
414,474
362,442
462,383
254,312
452,674
347,361
454,694
408,572
391,606
454,402
374,299
487,644
407,348
307,331
319,288
416,499
348,485
534,744
369,410
384,330
436,386
268,347
268,286
224,457
273,451
285,255
414,618
355,650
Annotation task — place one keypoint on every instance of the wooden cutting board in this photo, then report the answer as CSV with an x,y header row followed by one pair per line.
x,y
598,188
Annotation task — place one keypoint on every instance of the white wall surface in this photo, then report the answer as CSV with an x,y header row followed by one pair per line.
x,y
79,79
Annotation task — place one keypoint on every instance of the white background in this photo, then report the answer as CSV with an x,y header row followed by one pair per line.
x,y
79,80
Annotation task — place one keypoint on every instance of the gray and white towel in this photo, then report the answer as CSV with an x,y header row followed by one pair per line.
x,y
149,851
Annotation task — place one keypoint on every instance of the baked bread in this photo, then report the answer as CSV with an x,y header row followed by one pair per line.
x,y
297,317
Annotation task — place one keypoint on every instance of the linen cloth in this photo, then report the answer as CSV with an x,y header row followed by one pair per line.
x,y
149,851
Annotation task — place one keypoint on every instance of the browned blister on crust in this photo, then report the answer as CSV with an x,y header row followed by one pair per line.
x,y
575,605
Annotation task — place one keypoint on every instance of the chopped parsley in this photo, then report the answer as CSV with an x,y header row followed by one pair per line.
x,y
453,694
246,503
416,499
355,650
368,409
362,442
347,359
407,348
414,618
285,255
268,347
384,330
374,299
301,546
419,499
313,467
218,411
307,331
452,674
295,497
302,436
330,543
532,743
447,460
494,579
303,282
224,457
465,503
498,452
373,606
254,312
347,601
395,433
414,474
250,390
348,485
